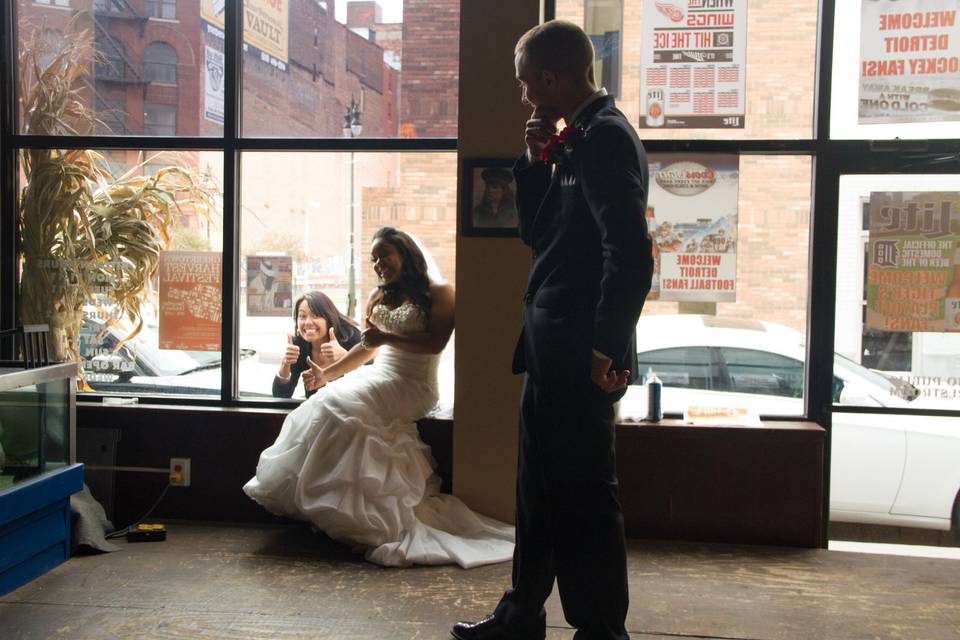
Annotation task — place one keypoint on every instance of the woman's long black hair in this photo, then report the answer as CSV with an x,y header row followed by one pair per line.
x,y
413,283
321,305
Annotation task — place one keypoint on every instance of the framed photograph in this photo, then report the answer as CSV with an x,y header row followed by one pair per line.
x,y
488,204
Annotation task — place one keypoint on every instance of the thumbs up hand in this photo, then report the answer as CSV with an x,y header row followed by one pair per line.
x,y
291,352
331,350
313,378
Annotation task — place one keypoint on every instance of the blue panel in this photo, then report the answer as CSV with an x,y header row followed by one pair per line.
x,y
35,525
23,538
30,495
37,565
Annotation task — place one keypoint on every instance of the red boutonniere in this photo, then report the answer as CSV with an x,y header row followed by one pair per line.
x,y
559,147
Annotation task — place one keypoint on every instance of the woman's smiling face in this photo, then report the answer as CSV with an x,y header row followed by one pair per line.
x,y
387,261
310,326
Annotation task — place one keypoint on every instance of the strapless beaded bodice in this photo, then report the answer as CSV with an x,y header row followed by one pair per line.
x,y
406,319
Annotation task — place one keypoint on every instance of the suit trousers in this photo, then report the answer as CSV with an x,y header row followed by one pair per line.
x,y
569,521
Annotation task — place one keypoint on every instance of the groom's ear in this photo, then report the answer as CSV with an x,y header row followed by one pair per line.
x,y
549,78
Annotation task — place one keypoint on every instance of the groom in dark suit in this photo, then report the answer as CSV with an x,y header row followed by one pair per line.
x,y
581,198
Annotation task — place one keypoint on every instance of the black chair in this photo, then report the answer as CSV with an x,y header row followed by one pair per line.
x,y
32,340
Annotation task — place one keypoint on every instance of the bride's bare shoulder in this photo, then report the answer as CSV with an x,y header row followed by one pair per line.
x,y
441,290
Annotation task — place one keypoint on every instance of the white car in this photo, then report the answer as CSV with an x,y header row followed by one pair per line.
x,y
886,469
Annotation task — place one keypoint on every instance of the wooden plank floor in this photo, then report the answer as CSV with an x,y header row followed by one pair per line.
x,y
287,582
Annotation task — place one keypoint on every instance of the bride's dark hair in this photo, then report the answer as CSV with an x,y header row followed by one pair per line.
x,y
413,283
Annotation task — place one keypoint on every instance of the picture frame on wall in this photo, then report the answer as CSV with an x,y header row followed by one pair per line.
x,y
488,198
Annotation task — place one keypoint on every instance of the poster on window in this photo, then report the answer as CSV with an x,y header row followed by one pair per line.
x,y
909,61
265,26
190,301
269,285
213,85
913,263
692,219
693,64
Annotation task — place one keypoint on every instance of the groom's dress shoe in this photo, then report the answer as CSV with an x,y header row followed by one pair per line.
x,y
488,629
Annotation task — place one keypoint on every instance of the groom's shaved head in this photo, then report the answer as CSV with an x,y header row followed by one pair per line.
x,y
557,46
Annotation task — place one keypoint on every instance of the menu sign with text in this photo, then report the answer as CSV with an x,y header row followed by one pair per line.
x,y
693,67
909,61
190,300
913,268
692,219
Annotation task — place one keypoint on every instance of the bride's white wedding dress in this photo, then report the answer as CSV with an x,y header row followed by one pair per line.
x,y
350,460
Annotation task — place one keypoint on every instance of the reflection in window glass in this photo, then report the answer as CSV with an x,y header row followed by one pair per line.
x,y
399,62
780,76
143,274
122,62
924,364
299,214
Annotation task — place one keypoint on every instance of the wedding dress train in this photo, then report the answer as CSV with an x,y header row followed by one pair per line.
x,y
350,460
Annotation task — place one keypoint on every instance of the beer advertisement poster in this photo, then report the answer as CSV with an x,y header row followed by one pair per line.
x,y
693,64
269,288
692,219
913,266
909,61
190,300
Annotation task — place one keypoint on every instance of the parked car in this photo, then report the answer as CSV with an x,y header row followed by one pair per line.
x,y
139,367
885,469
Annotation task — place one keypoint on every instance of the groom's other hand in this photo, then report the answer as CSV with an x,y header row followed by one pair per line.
x,y
605,377
540,127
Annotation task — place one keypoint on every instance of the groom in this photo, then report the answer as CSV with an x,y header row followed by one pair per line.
x,y
581,198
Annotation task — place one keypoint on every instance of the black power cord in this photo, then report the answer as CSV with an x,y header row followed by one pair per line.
x,y
119,533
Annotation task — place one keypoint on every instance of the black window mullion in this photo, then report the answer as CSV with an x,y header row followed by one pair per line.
x,y
9,245
230,290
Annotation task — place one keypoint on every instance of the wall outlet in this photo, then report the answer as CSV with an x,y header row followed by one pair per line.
x,y
180,472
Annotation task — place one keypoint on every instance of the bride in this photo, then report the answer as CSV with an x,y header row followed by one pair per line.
x,y
350,460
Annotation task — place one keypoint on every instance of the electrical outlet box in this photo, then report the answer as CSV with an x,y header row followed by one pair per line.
x,y
180,472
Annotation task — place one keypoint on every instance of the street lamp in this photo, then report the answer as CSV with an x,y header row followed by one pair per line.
x,y
352,129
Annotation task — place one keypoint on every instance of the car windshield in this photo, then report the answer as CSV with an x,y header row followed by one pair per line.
x,y
870,376
165,362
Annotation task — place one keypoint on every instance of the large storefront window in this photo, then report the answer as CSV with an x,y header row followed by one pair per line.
x,y
135,253
299,220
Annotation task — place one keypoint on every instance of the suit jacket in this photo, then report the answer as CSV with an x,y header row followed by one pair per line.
x,y
592,257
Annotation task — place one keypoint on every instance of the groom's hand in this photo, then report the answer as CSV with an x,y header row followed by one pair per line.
x,y
605,377
541,125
